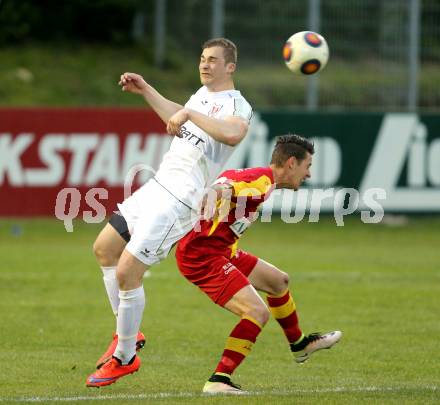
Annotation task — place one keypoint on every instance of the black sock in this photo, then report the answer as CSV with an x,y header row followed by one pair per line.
x,y
300,345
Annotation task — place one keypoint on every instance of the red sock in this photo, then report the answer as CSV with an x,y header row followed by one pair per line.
x,y
238,345
283,309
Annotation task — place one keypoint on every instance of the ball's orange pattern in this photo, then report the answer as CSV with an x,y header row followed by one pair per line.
x,y
287,52
310,67
312,39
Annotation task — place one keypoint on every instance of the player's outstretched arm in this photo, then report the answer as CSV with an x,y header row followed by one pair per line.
x,y
229,131
136,84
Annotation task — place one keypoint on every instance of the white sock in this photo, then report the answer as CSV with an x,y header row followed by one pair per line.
x,y
111,286
131,308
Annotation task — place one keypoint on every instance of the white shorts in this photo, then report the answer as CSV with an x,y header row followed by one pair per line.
x,y
156,221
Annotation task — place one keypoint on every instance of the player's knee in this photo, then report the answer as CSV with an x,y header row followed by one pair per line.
x,y
104,255
99,251
125,280
264,315
281,283
128,274
260,313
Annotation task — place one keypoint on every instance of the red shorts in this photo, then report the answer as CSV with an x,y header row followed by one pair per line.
x,y
217,276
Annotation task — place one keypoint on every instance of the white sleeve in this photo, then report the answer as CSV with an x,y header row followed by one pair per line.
x,y
189,102
242,109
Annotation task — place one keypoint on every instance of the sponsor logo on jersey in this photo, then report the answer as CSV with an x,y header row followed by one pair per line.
x,y
227,268
145,252
215,109
189,136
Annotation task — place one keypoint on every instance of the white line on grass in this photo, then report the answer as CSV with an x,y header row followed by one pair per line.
x,y
161,395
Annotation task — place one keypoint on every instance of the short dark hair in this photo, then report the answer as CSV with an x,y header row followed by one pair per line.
x,y
291,145
229,48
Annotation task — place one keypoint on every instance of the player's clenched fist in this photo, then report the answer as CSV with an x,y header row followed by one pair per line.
x,y
133,83
176,121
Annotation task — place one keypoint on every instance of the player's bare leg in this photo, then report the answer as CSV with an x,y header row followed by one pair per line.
x,y
247,303
129,273
266,277
124,361
108,248
254,314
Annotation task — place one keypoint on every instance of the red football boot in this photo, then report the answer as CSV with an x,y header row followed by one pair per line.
x,y
111,371
140,342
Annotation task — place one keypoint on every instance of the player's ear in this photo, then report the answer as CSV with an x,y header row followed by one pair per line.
x,y
230,67
292,162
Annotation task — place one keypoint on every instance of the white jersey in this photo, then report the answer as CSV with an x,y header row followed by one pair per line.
x,y
196,159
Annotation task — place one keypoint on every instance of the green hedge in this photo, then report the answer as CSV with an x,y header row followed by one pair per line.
x,y
71,20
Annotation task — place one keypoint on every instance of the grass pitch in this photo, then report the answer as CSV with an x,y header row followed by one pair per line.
x,y
379,285
364,83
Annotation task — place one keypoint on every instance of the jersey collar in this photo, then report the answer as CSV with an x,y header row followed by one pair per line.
x,y
219,94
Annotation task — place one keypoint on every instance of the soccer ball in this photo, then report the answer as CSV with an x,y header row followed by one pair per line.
x,y
306,53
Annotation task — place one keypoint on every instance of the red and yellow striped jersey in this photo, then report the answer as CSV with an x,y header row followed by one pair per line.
x,y
235,213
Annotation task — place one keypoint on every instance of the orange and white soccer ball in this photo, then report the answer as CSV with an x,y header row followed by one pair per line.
x,y
306,53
